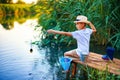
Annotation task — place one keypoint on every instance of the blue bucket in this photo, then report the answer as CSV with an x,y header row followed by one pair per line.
x,y
65,63
109,53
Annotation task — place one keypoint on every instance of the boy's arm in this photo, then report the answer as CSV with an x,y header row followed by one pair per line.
x,y
59,32
92,26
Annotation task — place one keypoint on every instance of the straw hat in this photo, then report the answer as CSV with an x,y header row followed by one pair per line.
x,y
81,18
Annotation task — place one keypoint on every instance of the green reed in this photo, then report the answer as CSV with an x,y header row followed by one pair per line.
x,y
94,74
104,14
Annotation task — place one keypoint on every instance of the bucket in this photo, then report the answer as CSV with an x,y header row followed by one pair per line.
x,y
65,63
109,53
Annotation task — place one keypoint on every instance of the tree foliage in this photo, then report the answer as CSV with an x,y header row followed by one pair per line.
x,y
6,1
11,2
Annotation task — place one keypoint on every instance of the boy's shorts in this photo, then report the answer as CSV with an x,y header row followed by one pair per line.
x,y
82,55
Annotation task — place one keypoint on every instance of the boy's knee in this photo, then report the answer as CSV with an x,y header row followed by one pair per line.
x,y
66,54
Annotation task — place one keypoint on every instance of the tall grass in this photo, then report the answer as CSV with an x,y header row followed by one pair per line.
x,y
94,74
115,29
104,14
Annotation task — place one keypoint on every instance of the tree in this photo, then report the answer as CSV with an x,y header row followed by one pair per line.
x,y
6,1
20,2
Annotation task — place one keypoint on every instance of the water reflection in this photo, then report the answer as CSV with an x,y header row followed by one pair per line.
x,y
7,20
17,63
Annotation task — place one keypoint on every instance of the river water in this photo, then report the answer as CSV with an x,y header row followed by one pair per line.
x,y
16,60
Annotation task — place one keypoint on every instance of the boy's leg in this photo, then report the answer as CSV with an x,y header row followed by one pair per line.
x,y
73,54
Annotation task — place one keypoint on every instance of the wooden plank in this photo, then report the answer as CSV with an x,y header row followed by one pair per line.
x,y
95,60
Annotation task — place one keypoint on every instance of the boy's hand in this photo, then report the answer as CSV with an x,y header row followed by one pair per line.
x,y
50,31
88,22
59,32
92,26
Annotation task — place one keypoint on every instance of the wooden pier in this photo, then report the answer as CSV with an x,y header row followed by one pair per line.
x,y
95,60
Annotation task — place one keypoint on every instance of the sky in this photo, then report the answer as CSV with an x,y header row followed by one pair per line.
x,y
26,1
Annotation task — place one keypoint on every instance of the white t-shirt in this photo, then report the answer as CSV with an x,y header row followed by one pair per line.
x,y
83,38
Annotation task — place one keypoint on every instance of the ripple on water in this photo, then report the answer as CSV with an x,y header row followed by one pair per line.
x,y
16,61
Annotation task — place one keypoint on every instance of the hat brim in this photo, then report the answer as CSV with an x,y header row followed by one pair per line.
x,y
81,22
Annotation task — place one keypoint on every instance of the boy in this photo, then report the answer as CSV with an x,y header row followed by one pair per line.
x,y
82,35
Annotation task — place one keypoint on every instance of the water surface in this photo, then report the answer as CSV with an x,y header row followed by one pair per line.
x,y
16,60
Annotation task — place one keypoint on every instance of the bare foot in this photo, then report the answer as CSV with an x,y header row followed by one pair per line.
x,y
65,71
